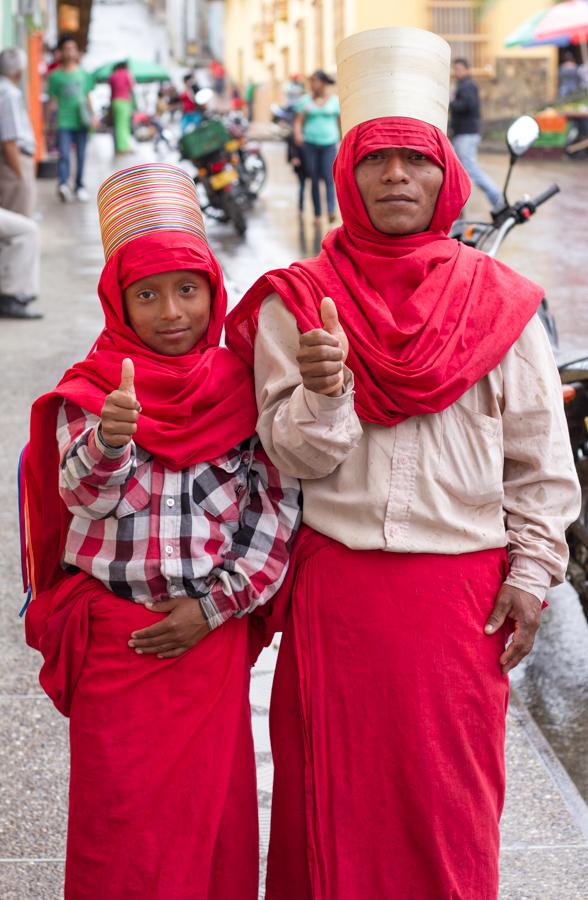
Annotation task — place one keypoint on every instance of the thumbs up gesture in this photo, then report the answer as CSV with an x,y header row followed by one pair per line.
x,y
322,353
118,419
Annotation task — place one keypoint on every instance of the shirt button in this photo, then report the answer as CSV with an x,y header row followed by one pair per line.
x,y
169,550
170,501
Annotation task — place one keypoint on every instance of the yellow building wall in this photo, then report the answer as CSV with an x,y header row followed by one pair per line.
x,y
502,19
397,14
301,43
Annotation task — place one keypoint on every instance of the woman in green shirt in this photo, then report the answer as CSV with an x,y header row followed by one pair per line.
x,y
69,87
317,132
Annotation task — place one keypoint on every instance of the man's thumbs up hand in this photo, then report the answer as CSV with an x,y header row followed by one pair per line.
x,y
118,419
323,352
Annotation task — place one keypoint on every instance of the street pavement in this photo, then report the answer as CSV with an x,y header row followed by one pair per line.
x,y
545,825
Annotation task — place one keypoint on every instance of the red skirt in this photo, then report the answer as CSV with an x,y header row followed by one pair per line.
x,y
163,802
387,725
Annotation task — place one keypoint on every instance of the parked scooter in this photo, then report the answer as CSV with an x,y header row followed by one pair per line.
x,y
573,367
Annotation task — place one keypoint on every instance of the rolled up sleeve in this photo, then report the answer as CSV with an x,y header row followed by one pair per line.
x,y
541,490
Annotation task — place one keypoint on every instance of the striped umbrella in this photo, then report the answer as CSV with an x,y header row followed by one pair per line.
x,y
568,20
560,25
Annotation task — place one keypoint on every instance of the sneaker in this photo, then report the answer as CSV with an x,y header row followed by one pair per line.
x,y
64,192
82,195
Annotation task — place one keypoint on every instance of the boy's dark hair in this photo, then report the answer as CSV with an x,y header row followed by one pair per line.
x,y
461,61
65,37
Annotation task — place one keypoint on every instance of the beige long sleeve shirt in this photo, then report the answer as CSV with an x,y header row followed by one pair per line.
x,y
495,469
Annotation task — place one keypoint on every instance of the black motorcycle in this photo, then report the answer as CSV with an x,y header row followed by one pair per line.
x,y
572,366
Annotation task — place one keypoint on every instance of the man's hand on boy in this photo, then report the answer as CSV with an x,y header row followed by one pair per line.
x,y
184,627
118,419
322,354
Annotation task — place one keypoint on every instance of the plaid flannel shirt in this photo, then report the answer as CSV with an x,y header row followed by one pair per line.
x,y
218,531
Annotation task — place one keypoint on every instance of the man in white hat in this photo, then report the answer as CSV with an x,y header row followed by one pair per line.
x,y
421,408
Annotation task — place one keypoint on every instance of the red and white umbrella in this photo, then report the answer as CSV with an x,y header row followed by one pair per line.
x,y
569,20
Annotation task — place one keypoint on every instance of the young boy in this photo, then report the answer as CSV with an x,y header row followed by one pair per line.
x,y
157,492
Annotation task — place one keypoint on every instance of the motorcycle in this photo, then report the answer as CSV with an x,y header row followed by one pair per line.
x,y
215,155
573,366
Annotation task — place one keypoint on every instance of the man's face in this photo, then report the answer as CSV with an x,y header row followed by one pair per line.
x,y
459,71
399,188
70,52
169,311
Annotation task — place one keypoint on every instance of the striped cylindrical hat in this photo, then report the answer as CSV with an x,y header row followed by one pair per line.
x,y
144,199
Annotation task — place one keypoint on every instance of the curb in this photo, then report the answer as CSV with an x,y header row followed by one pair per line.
x,y
572,798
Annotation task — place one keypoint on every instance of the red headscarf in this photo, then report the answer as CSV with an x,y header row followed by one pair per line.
x,y
426,316
195,407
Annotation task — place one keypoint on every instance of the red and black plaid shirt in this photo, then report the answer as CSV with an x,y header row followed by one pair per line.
x,y
219,531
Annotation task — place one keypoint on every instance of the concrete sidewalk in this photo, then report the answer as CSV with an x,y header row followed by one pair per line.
x,y
545,825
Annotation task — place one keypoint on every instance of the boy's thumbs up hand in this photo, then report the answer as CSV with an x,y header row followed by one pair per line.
x,y
323,352
118,419
127,376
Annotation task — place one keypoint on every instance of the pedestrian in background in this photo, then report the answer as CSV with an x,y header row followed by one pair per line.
x,y
317,132
20,254
69,88
19,234
218,75
121,102
569,79
17,141
464,112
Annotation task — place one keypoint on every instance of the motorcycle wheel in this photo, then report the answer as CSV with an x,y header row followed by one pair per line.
x,y
234,211
255,171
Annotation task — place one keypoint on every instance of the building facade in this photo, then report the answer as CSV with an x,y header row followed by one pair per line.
x,y
266,41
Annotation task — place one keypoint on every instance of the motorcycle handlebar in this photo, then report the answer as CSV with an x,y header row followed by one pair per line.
x,y
547,194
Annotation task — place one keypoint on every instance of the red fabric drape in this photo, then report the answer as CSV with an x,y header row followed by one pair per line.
x,y
387,726
426,316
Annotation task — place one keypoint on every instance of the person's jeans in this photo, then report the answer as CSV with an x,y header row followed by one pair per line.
x,y
466,149
65,138
318,161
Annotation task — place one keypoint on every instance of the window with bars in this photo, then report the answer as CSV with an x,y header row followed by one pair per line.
x,y
460,23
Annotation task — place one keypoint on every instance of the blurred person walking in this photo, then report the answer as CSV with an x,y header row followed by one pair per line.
x,y
569,78
464,112
19,265
317,132
121,102
17,141
69,89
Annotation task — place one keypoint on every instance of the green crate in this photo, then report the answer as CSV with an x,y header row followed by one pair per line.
x,y
204,139
552,139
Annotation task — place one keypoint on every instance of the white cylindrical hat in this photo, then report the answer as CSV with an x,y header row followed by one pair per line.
x,y
393,72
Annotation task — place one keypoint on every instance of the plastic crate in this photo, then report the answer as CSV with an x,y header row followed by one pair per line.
x,y
204,139
552,139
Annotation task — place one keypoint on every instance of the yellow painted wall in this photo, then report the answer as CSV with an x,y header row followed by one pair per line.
x,y
398,14
242,17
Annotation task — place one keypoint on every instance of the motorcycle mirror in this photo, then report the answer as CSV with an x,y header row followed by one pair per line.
x,y
521,135
204,96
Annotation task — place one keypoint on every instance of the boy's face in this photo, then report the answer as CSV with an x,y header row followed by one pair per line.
x,y
169,311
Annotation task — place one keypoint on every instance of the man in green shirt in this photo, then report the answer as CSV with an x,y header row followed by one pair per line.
x,y
69,88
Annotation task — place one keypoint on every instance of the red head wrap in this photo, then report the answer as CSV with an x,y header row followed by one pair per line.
x,y
426,316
